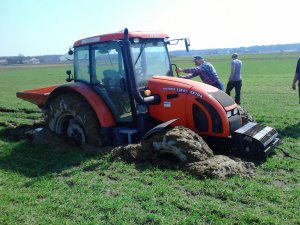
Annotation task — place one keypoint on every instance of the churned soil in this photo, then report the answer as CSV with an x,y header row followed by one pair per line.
x,y
175,148
191,151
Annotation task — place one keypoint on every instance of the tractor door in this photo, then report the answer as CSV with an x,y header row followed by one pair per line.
x,y
102,66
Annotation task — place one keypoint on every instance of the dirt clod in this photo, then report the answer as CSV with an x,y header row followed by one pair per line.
x,y
129,153
221,166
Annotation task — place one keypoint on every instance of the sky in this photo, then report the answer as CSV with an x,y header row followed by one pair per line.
x,y
45,27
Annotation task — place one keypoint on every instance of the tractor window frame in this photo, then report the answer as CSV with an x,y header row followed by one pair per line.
x,y
82,66
106,56
146,61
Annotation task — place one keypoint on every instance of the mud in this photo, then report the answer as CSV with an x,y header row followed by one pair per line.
x,y
43,136
176,148
221,167
16,132
181,142
181,148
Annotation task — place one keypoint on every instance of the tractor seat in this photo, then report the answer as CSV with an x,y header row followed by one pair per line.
x,y
112,83
111,80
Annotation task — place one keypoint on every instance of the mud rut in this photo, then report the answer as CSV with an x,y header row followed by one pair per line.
x,y
181,148
176,148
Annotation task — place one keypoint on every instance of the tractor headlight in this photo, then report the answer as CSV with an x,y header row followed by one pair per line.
x,y
235,111
228,114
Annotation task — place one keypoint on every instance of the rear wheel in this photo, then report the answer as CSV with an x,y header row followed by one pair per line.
x,y
72,117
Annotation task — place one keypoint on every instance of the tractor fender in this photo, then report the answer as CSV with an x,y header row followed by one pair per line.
x,y
103,113
158,128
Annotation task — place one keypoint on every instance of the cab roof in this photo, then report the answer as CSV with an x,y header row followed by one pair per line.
x,y
120,36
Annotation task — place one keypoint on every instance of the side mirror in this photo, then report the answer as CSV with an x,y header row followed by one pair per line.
x,y
187,44
69,78
70,52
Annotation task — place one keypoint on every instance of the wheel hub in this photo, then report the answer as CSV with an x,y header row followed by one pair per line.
x,y
76,132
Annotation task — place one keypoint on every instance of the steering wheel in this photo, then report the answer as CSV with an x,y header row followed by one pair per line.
x,y
139,74
139,71
176,67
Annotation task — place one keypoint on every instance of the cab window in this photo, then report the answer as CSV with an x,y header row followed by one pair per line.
x,y
81,64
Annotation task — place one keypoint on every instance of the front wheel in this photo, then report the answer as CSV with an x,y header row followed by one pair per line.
x,y
72,117
245,115
181,142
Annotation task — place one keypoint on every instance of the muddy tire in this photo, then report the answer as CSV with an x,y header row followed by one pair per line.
x,y
246,116
181,142
72,117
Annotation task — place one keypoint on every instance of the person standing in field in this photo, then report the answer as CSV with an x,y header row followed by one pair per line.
x,y
235,78
297,78
205,71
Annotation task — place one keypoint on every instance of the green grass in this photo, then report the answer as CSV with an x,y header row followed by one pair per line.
x,y
19,78
39,185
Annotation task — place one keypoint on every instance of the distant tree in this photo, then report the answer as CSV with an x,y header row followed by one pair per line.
x,y
16,59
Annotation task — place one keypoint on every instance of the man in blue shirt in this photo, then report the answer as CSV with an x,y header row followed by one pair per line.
x,y
205,70
235,78
297,78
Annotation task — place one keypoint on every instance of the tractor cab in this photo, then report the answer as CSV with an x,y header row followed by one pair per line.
x,y
118,66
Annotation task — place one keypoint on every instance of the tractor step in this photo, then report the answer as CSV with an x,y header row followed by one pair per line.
x,y
129,133
125,136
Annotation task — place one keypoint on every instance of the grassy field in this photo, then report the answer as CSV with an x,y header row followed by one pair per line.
x,y
39,185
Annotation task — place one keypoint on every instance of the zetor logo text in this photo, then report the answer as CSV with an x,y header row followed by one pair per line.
x,y
196,94
181,90
184,91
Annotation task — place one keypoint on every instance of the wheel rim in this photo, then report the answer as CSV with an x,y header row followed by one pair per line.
x,y
76,132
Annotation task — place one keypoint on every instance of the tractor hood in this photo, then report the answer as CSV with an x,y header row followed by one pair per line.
x,y
192,87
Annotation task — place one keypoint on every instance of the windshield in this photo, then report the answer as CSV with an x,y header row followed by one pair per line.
x,y
150,58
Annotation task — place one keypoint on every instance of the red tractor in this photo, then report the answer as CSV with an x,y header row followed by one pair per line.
x,y
124,91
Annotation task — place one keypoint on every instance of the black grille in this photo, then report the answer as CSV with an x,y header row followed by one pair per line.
x,y
254,130
268,136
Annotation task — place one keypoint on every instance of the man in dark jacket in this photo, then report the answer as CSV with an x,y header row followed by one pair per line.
x,y
205,70
297,78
